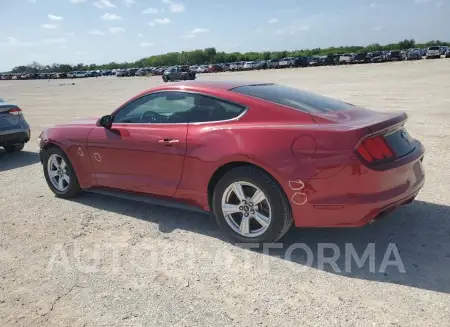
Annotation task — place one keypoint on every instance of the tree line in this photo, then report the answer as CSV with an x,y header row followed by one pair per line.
x,y
211,56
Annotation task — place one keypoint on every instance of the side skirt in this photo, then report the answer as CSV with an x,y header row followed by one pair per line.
x,y
146,199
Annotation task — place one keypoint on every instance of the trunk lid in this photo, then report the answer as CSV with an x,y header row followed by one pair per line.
x,y
368,124
7,120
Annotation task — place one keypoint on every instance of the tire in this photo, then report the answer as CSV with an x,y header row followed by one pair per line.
x,y
165,79
14,147
280,213
73,188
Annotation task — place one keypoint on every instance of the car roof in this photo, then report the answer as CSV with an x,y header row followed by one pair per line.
x,y
215,85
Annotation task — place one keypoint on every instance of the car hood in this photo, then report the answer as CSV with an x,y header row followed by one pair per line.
x,y
84,121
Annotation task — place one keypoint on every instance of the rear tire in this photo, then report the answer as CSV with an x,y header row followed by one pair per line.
x,y
71,188
14,147
273,211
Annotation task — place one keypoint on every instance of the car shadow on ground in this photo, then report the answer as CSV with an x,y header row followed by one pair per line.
x,y
15,160
419,231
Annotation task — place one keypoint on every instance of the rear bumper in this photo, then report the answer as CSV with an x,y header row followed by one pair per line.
x,y
14,138
357,194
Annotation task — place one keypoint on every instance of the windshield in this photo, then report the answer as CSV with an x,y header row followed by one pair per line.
x,y
434,48
294,98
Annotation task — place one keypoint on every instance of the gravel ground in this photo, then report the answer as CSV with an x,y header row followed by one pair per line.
x,y
97,261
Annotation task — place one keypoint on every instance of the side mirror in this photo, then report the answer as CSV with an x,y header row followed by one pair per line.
x,y
105,121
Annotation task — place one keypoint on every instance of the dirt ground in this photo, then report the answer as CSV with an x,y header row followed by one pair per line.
x,y
97,261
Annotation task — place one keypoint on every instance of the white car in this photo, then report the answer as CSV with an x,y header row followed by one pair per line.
x,y
202,69
78,75
286,62
248,65
433,52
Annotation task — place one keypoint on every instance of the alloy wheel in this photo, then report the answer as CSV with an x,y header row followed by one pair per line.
x,y
246,209
58,172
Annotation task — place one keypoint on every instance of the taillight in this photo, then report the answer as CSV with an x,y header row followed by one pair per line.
x,y
374,149
15,111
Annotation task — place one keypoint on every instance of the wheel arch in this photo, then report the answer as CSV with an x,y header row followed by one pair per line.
x,y
222,170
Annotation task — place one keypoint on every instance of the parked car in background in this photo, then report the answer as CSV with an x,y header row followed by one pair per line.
x,y
262,64
177,73
14,129
301,61
202,69
199,145
377,56
414,54
394,55
314,61
248,65
433,53
443,50
346,59
215,68
79,74
447,53
273,63
287,62
361,58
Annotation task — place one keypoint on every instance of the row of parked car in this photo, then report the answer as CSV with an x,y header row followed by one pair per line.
x,y
288,62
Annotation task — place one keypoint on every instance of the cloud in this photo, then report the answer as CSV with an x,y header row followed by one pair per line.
x,y
193,33
77,1
104,4
150,11
374,5
175,6
146,44
108,16
128,3
32,1
273,20
115,30
421,1
96,32
378,28
69,34
53,17
160,21
49,26
140,35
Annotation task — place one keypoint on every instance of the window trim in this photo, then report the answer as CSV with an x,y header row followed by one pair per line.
x,y
201,94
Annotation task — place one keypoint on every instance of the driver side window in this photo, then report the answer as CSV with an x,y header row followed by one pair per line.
x,y
161,107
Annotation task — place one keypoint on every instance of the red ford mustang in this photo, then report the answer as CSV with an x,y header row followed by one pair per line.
x,y
259,156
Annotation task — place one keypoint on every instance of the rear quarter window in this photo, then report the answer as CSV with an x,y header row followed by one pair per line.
x,y
293,98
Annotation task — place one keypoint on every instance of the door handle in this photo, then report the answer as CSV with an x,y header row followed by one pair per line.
x,y
168,142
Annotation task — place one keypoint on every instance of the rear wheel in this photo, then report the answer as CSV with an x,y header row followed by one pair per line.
x,y
59,174
14,147
250,206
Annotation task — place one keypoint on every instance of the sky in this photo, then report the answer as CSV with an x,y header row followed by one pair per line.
x,y
101,31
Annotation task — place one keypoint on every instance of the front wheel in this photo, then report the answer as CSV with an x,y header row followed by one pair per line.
x,y
14,147
251,207
59,174
165,79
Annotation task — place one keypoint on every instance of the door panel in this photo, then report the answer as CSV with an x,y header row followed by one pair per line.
x,y
146,158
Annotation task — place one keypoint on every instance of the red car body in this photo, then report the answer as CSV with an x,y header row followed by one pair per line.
x,y
318,159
